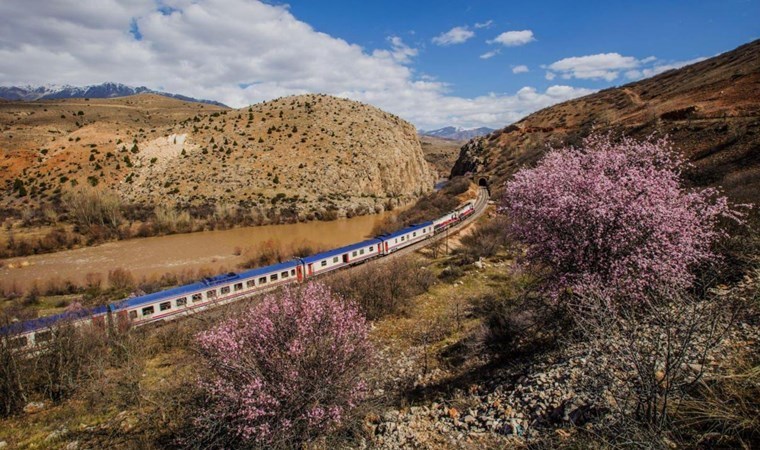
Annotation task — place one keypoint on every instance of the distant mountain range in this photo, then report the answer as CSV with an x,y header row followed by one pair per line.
x,y
457,133
105,90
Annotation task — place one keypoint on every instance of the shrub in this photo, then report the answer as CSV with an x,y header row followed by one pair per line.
x,y
485,240
121,279
12,393
385,288
93,209
72,356
613,216
285,370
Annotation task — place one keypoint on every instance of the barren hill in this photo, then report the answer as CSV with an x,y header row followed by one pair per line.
x,y
711,111
304,154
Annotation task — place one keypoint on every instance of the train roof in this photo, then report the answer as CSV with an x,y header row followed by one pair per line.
x,y
48,321
267,269
339,251
199,285
405,230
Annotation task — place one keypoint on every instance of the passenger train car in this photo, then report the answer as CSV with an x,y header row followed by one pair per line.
x,y
221,289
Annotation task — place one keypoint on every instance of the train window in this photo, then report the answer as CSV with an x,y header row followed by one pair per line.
x,y
182,301
402,238
335,259
225,290
197,297
395,241
42,336
133,315
353,253
361,252
211,293
273,277
372,249
147,311
263,280
239,286
164,306
324,263
292,271
414,234
18,342
250,283
284,274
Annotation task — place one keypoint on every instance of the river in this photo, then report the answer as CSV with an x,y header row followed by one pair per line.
x,y
150,257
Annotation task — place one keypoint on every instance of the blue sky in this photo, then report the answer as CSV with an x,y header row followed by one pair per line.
x,y
434,63
672,31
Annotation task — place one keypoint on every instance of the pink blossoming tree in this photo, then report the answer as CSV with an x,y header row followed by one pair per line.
x,y
287,369
612,216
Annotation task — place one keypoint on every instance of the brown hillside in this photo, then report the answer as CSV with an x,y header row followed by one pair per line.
x,y
711,111
441,154
305,154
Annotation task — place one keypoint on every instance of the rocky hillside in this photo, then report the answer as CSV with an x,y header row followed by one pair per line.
x,y
710,110
440,154
305,154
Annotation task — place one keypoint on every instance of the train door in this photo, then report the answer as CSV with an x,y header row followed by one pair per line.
x,y
386,246
345,258
311,269
122,320
299,272
99,322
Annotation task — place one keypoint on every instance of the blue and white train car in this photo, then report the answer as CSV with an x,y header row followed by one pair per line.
x,y
28,334
341,257
407,236
213,291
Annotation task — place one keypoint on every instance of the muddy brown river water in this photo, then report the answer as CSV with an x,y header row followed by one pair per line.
x,y
155,256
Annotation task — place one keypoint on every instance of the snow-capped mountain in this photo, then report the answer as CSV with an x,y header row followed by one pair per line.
x,y
104,90
457,133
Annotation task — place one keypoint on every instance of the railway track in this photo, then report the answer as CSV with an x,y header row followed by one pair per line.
x,y
481,203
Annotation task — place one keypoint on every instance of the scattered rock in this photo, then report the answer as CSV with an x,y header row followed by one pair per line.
x,y
34,407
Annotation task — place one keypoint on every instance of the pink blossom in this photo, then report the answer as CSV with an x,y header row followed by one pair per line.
x,y
613,216
290,366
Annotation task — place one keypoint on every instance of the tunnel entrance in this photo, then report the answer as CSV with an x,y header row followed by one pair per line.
x,y
483,182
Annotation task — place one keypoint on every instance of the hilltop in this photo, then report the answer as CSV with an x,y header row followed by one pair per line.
x,y
293,158
710,110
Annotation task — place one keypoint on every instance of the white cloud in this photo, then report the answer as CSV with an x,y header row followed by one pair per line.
x,y
486,24
456,35
489,55
513,38
608,66
238,52
399,51
520,69
550,76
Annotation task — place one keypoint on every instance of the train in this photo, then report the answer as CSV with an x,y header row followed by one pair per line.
x,y
229,287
